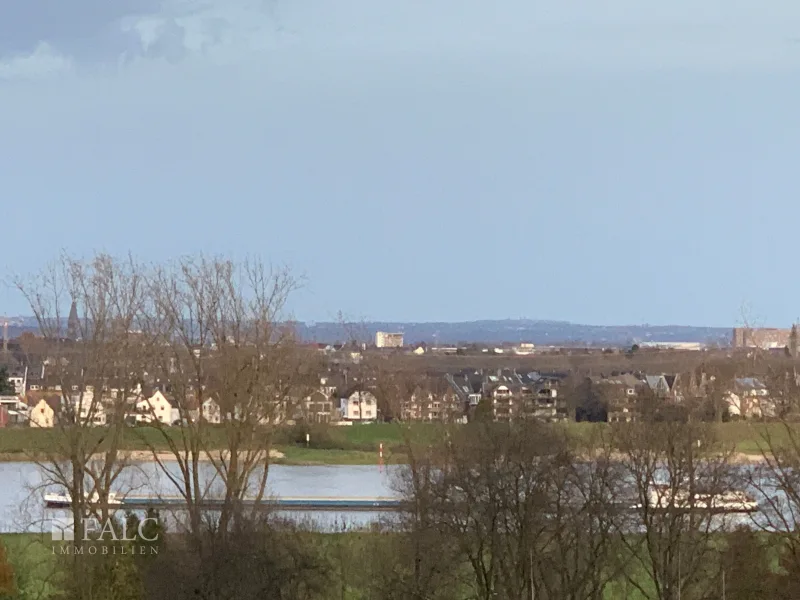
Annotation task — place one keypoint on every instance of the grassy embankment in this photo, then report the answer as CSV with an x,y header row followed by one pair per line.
x,y
354,445
37,571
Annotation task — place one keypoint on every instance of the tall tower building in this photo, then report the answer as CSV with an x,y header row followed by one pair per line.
x,y
73,323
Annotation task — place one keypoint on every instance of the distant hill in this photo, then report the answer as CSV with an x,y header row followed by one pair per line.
x,y
491,332
519,330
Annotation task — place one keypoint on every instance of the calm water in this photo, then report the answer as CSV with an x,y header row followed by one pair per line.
x,y
22,505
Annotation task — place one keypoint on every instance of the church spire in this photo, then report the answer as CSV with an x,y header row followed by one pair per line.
x,y
73,323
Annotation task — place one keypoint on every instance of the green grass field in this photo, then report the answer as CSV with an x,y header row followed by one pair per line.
x,y
356,444
34,564
37,574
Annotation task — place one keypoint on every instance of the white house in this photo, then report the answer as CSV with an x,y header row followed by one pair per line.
x,y
154,408
749,399
19,382
211,412
359,405
42,414
87,411
16,410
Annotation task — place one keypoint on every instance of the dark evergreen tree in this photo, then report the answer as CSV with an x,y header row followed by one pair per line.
x,y
6,387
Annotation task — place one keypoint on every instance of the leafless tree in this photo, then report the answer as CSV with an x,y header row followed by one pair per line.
x,y
523,510
580,553
414,559
393,389
223,341
776,481
670,466
96,371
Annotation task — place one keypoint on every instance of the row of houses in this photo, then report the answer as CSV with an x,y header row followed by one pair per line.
x,y
343,397
504,394
45,408
339,398
624,395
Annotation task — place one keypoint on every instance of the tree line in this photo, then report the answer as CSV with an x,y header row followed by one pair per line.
x,y
506,511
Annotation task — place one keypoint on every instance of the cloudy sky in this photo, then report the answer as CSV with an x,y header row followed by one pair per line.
x,y
624,161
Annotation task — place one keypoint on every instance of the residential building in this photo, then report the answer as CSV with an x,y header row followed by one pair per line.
x,y
540,399
434,401
620,395
357,404
183,412
388,340
511,394
318,408
87,410
664,386
504,404
749,398
19,381
211,412
328,384
155,408
468,386
15,411
42,414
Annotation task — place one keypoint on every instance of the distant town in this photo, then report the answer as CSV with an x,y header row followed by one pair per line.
x,y
388,379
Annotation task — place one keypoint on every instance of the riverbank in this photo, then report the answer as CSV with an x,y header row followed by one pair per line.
x,y
288,456
351,445
307,457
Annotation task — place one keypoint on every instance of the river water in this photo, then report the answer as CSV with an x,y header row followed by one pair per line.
x,y
22,505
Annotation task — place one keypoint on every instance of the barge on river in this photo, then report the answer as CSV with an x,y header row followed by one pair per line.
x,y
663,497
287,503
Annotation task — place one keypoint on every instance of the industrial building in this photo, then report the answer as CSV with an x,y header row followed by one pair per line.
x,y
388,340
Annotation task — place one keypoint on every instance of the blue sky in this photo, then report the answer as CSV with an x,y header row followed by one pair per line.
x,y
624,161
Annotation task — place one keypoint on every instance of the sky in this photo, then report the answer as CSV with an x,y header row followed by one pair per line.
x,y
615,162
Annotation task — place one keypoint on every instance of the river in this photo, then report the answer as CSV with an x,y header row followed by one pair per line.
x,y
22,506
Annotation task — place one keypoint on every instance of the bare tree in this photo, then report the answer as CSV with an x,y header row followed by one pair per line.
x,y
520,508
393,389
223,341
776,481
96,370
672,466
416,560
580,554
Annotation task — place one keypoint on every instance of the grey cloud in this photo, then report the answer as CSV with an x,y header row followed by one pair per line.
x,y
619,34
85,29
44,61
119,31
170,43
